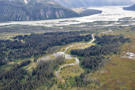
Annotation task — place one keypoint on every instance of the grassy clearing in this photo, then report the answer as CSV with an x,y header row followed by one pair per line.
x,y
71,71
80,45
69,61
6,67
118,74
9,36
42,88
31,66
10,65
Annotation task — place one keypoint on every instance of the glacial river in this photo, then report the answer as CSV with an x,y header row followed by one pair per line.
x,y
109,13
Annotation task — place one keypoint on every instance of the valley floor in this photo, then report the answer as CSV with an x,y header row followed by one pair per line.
x,y
117,73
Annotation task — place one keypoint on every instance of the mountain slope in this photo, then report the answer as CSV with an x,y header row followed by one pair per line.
x,y
19,10
88,12
132,8
87,3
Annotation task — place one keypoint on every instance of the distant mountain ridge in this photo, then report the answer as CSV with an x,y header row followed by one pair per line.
x,y
131,8
25,10
29,10
87,3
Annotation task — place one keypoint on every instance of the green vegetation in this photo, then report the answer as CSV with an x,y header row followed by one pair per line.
x,y
18,78
118,73
35,45
101,63
95,57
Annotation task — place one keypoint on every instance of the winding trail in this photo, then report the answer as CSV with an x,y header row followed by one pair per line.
x,y
68,56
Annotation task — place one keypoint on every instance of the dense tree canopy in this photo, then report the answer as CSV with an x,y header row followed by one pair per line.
x,y
35,44
19,79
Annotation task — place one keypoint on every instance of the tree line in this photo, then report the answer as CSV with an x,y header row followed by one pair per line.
x,y
35,45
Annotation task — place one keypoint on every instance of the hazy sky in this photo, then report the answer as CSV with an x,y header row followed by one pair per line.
x,y
133,0
120,0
